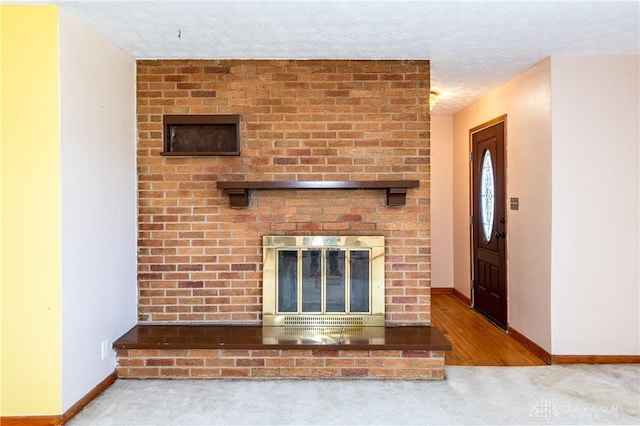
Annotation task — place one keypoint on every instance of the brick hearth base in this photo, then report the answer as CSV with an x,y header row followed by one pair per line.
x,y
153,352
315,363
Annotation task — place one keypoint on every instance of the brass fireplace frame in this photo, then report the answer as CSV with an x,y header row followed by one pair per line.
x,y
374,317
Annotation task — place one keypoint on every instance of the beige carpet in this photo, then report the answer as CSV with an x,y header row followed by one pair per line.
x,y
576,394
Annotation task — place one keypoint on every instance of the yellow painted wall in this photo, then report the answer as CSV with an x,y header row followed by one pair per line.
x,y
30,233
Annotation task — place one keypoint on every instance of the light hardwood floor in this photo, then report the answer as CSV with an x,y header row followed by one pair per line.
x,y
475,340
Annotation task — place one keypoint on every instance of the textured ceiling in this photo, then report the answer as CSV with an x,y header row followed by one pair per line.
x,y
474,46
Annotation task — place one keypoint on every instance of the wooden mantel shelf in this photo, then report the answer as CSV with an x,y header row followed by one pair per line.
x,y
238,191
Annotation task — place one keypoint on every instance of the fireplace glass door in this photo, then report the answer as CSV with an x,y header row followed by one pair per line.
x,y
323,281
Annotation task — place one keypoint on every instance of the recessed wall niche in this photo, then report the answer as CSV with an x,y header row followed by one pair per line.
x,y
199,135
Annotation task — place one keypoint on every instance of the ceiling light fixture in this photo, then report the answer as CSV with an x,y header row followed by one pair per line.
x,y
433,99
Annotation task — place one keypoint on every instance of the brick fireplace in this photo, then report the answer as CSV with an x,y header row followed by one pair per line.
x,y
200,261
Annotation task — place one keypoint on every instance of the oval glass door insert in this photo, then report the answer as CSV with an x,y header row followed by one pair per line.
x,y
487,199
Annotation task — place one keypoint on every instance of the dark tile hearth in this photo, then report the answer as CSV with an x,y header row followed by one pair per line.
x,y
418,338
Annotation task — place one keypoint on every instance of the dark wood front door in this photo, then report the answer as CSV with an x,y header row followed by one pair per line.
x,y
489,225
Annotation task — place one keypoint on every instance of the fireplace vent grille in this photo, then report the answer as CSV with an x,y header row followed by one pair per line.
x,y
323,321
328,331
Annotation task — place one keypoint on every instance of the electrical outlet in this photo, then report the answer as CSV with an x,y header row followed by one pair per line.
x,y
105,349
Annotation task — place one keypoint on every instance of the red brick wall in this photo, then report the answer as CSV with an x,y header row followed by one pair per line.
x,y
199,260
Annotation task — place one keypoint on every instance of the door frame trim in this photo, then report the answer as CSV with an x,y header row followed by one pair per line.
x,y
472,131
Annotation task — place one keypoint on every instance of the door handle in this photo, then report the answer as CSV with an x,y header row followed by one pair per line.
x,y
501,235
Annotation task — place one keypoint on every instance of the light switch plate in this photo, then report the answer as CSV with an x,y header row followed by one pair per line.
x,y
514,202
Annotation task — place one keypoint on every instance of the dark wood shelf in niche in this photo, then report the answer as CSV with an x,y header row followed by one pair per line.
x,y
201,135
238,191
